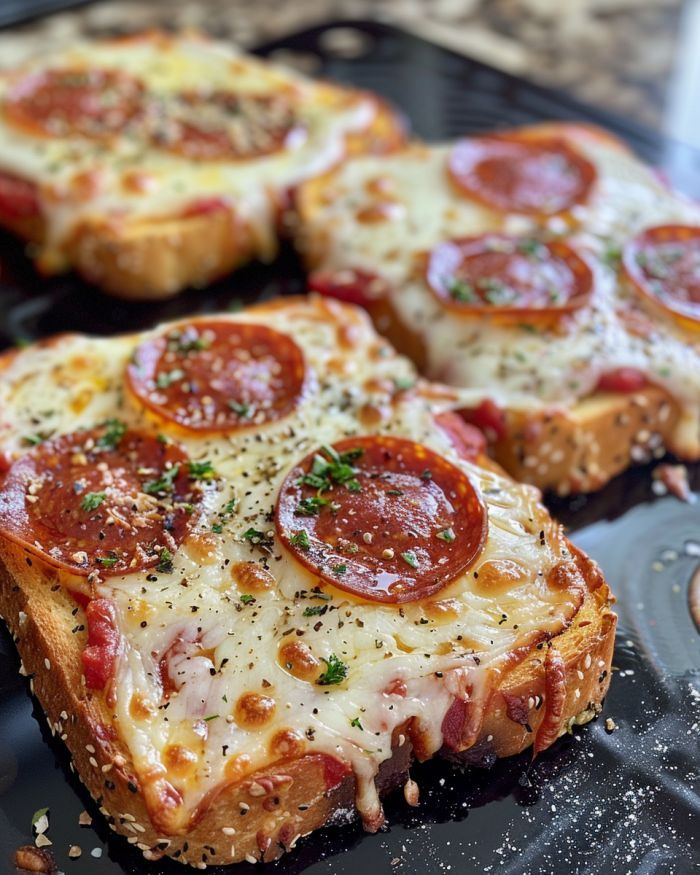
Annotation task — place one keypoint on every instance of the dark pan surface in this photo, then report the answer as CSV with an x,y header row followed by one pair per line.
x,y
599,802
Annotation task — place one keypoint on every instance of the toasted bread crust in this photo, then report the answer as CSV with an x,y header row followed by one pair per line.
x,y
269,810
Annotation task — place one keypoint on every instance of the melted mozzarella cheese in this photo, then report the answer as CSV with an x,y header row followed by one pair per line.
x,y
169,65
520,368
219,647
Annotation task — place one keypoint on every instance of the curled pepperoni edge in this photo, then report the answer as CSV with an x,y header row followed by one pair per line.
x,y
635,276
451,251
463,449
559,144
136,381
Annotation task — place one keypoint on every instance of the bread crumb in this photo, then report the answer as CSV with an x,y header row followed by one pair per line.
x,y
610,725
74,852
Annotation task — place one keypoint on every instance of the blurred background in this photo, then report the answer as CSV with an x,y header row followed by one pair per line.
x,y
640,58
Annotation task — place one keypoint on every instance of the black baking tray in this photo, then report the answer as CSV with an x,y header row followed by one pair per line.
x,y
598,802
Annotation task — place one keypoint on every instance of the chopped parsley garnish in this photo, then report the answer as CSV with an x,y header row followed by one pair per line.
x,y
165,562
107,561
310,506
403,383
531,248
167,378
446,535
240,408
394,492
115,430
247,599
257,537
496,292
230,506
356,723
92,500
201,470
409,557
339,569
427,474
210,717
336,671
217,528
33,440
188,341
314,610
336,469
460,290
300,539
612,255
164,483
36,817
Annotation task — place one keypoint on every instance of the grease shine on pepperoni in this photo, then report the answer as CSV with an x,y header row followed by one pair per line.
x,y
100,500
381,517
218,375
663,263
223,125
496,273
67,102
514,175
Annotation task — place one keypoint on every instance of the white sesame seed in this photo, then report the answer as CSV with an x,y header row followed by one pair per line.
x,y
228,830
47,664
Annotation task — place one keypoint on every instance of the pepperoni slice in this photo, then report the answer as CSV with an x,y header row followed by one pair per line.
x,y
107,500
19,199
381,517
488,417
218,375
499,274
623,380
351,285
518,175
467,439
67,102
223,125
663,263
99,658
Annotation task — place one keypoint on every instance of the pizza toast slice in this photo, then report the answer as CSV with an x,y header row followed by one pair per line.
x,y
255,567
154,162
547,270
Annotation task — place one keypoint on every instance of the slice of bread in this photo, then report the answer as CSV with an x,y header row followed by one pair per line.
x,y
366,231
264,815
146,223
507,654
